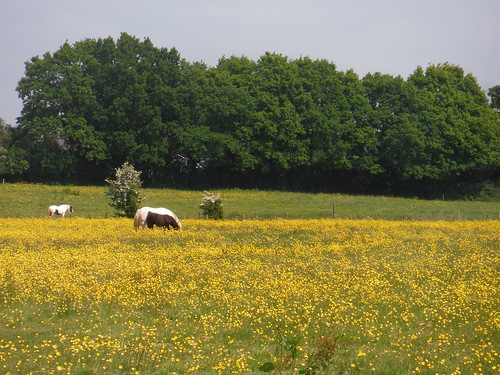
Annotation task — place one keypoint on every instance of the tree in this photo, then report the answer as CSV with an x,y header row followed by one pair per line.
x,y
12,158
399,139
58,99
5,139
461,133
279,139
98,103
124,191
276,123
335,113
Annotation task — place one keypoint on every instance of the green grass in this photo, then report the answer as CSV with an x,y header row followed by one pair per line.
x,y
32,200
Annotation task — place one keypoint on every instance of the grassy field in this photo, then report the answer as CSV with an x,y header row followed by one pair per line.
x,y
319,296
282,288
27,200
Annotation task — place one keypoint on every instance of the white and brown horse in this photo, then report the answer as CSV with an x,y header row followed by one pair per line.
x,y
60,210
142,213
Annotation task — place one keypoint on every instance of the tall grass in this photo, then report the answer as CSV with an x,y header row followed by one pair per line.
x,y
22,200
93,296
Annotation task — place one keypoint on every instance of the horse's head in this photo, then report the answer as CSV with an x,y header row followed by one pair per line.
x,y
173,222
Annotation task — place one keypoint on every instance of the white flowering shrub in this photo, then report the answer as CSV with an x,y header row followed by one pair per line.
x,y
124,191
212,206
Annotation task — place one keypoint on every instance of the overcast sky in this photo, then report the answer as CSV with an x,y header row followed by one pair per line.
x,y
387,36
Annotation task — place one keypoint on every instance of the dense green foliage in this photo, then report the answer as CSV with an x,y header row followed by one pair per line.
x,y
272,123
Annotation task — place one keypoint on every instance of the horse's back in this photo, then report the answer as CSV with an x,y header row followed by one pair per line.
x,y
161,211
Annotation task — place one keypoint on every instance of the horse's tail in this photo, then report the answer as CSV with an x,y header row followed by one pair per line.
x,y
137,219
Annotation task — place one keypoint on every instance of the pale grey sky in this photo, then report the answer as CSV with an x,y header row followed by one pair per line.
x,y
387,36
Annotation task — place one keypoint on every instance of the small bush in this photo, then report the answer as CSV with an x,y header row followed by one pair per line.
x,y
124,191
211,207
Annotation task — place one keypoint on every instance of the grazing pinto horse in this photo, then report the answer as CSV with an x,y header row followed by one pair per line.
x,y
60,210
159,220
142,213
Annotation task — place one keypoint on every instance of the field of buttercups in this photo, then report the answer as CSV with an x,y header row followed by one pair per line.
x,y
93,296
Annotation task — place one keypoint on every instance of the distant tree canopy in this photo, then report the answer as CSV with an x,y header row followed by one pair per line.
x,y
271,123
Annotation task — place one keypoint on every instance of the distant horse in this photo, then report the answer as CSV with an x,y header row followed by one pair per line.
x,y
60,210
142,213
159,220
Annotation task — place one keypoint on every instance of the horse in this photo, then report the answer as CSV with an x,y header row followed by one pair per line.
x,y
60,210
142,213
159,220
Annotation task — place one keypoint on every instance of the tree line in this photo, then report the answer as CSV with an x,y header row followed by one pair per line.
x,y
272,123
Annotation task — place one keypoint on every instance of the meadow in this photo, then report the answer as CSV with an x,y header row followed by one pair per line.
x,y
297,296
32,200
391,286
